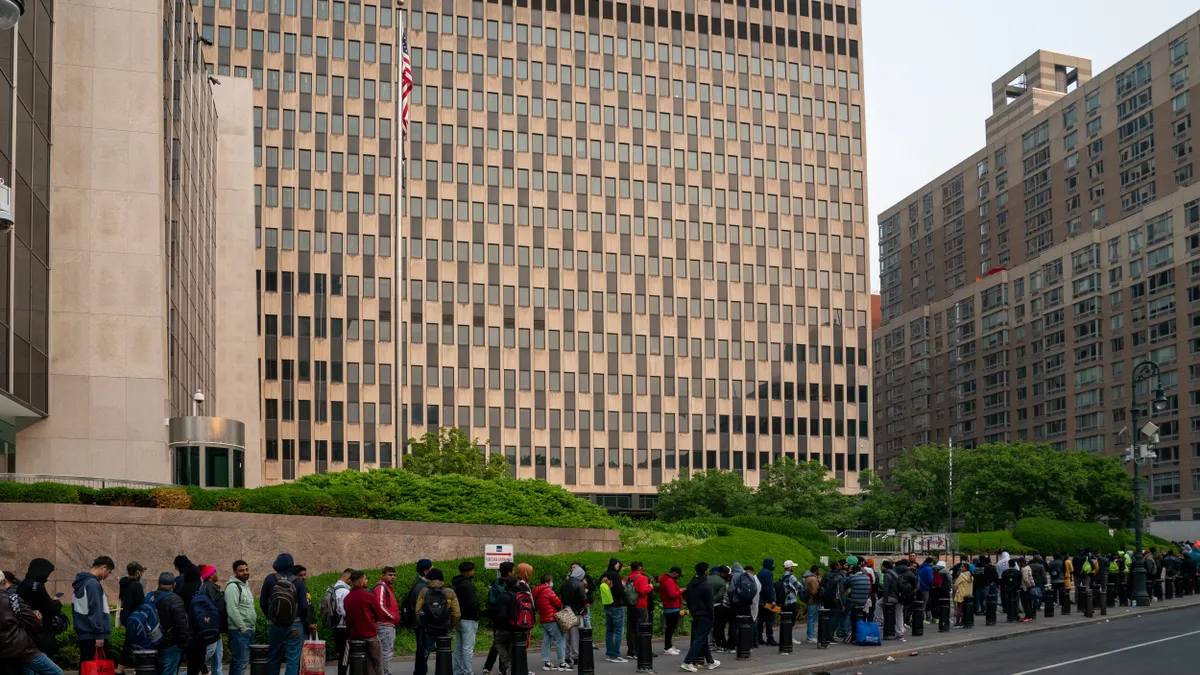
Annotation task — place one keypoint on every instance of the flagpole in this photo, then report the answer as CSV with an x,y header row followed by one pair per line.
x,y
951,526
399,249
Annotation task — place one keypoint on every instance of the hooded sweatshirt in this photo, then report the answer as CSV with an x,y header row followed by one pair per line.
x,y
717,583
618,585
468,600
132,595
741,604
766,580
284,564
812,586
573,594
32,590
89,607
700,597
239,603
190,583
669,594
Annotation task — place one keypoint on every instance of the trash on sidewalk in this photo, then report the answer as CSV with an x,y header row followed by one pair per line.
x,y
891,658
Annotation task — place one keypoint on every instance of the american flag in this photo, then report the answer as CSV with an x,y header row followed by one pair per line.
x,y
406,85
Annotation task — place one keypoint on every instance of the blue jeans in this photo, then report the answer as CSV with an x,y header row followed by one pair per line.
x,y
168,660
42,665
239,648
585,621
614,624
981,600
421,666
279,639
464,646
812,622
550,632
213,655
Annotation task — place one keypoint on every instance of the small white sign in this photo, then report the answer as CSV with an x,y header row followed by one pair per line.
x,y
824,561
1111,532
494,554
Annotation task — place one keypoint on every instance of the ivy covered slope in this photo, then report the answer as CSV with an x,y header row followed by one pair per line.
x,y
384,494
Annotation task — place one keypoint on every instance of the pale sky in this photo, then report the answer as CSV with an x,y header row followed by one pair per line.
x,y
929,65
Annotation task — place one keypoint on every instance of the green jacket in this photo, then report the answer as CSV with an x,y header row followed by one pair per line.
x,y
717,583
606,597
239,603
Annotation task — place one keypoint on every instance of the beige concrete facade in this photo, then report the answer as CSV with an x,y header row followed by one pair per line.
x,y
1021,287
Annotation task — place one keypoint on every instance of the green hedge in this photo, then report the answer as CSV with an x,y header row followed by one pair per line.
x,y
1055,536
804,531
990,542
385,494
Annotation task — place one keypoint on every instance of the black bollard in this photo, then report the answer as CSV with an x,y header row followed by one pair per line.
x,y
992,599
518,652
645,650
1112,593
968,616
918,618
744,641
260,656
1048,604
889,620
1169,589
944,615
444,661
145,661
824,627
358,658
1123,590
1012,608
786,619
1086,596
1064,599
1100,600
587,661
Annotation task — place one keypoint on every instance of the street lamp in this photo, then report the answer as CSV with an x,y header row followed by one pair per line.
x,y
10,13
1142,371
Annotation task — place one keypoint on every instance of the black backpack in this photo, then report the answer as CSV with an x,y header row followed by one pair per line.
x,y
907,589
830,588
435,611
780,592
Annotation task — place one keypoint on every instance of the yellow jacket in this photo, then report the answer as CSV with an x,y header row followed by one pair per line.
x,y
451,599
1070,568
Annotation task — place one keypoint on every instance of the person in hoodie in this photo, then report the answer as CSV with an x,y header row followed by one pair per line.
x,y
437,580
173,620
963,591
739,596
891,594
208,584
389,617
574,595
547,603
468,605
239,607
32,590
1010,585
131,594
614,612
89,608
716,582
766,618
925,585
640,612
811,594
700,604
19,623
285,642
672,602
187,585
418,584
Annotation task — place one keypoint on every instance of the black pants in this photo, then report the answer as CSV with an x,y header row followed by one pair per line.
x,y
720,620
340,636
699,648
766,623
633,618
670,623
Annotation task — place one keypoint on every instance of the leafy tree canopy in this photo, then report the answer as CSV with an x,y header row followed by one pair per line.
x,y
703,494
450,451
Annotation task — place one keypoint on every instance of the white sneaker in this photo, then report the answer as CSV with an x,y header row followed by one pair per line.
x,y
714,665
546,665
565,666
688,667
620,659
672,651
612,660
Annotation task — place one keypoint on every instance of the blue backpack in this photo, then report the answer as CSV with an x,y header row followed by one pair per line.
x,y
142,627
205,618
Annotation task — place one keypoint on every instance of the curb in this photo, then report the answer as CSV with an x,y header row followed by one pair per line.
x,y
966,642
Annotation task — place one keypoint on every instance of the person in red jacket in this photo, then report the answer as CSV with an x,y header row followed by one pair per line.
x,y
639,613
362,618
547,603
389,617
672,603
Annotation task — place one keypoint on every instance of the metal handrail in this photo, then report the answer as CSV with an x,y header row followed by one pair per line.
x,y
83,481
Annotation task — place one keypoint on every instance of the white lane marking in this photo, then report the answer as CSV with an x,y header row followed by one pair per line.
x,y
1110,653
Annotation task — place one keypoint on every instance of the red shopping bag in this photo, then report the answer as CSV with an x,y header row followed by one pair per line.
x,y
312,658
100,665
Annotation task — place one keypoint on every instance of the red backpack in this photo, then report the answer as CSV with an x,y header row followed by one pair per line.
x,y
524,614
937,578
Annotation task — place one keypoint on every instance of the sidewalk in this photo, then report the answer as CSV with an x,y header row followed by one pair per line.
x,y
807,658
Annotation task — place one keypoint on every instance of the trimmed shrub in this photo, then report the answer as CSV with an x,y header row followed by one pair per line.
x,y
804,531
1055,536
990,542
171,498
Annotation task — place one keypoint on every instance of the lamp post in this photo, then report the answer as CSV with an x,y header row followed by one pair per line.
x,y
1142,371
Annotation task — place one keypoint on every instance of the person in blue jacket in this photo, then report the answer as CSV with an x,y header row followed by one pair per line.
x,y
89,608
925,580
285,642
766,618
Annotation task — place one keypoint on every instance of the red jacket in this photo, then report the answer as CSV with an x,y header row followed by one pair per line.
x,y
669,593
362,613
385,599
642,585
546,602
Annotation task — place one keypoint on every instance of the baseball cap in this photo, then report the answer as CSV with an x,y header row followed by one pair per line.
x,y
789,563
166,579
134,567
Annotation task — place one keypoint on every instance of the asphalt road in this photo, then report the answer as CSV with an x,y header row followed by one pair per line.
x,y
1165,642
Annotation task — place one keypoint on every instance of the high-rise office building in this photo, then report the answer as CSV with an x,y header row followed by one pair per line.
x,y
1022,286
635,237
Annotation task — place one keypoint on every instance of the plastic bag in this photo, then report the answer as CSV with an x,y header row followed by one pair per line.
x,y
312,657
100,665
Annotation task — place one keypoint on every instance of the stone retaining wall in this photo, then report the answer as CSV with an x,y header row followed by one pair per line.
x,y
73,535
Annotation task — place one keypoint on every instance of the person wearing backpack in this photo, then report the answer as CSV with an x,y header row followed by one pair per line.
x,y
833,591
410,618
208,586
766,618
361,614
468,623
172,621
614,612
891,593
671,597
637,600
239,607
389,617
132,594
908,587
497,613
811,595
438,611
284,600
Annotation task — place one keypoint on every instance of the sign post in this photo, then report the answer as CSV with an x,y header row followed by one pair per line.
x,y
494,554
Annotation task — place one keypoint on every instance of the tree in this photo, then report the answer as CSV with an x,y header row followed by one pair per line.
x,y
794,489
450,451
704,494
